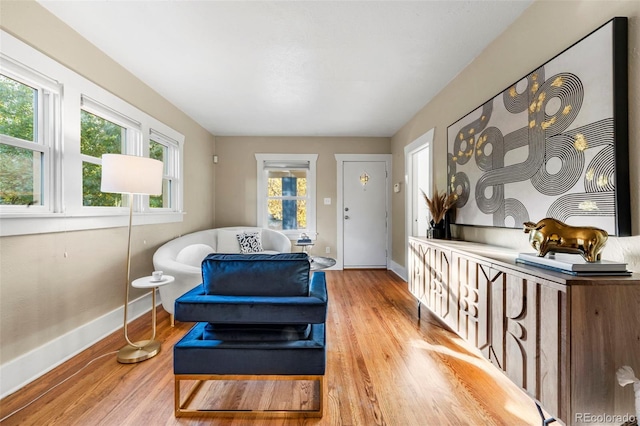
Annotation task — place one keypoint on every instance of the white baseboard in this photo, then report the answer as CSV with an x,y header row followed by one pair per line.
x,y
20,371
399,270
392,266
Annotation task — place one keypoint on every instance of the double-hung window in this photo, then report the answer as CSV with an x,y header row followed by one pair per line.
x,y
103,131
286,193
29,103
51,149
164,148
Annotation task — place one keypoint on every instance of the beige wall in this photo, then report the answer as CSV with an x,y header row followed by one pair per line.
x,y
542,31
236,176
43,294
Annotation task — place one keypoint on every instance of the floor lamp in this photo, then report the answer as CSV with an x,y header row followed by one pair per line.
x,y
129,174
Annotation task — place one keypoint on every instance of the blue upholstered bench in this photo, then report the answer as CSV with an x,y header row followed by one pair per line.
x,y
258,316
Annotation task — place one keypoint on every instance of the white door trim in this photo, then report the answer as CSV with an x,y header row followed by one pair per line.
x,y
419,143
340,159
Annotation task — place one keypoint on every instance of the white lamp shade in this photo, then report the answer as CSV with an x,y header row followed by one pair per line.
x,y
130,174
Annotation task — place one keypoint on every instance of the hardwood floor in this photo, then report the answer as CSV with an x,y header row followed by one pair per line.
x,y
384,367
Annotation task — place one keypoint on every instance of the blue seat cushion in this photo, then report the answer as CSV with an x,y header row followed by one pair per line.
x,y
194,354
256,332
195,305
282,274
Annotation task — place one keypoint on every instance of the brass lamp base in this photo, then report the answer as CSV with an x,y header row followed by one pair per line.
x,y
142,350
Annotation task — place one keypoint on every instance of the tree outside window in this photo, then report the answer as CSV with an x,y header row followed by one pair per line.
x,y
98,136
158,151
287,199
51,148
20,167
286,188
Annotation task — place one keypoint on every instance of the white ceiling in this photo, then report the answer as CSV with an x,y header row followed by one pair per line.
x,y
293,68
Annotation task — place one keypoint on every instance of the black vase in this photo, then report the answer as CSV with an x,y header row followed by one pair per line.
x,y
442,229
447,226
438,230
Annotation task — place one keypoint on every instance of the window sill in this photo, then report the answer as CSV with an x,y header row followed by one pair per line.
x,y
49,223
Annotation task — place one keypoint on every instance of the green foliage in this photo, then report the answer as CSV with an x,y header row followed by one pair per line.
x,y
17,109
158,152
91,194
98,136
19,167
17,180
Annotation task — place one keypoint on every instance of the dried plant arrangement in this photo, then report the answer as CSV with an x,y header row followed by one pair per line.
x,y
439,204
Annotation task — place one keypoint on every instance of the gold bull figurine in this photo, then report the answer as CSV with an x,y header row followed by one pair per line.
x,y
550,235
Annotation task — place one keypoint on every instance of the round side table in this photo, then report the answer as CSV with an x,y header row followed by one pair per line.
x,y
145,349
319,262
305,247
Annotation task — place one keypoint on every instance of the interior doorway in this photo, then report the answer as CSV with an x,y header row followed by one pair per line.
x,y
418,163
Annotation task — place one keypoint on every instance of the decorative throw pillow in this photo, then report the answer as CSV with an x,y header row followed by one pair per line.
x,y
193,254
227,242
250,242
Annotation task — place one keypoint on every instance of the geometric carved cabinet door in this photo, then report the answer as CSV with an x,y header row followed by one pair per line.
x,y
438,296
534,348
520,332
473,305
417,279
497,319
552,349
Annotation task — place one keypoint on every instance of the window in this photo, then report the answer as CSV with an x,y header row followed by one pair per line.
x,y
158,151
20,179
165,149
51,149
26,106
286,193
287,199
98,136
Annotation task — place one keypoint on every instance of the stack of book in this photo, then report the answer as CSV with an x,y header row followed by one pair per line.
x,y
574,264
304,240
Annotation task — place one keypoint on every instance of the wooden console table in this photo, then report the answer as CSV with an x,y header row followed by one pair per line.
x,y
561,338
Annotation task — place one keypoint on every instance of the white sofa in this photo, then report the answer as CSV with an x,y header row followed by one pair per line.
x,y
182,256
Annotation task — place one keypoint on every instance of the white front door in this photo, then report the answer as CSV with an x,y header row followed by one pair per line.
x,y
364,214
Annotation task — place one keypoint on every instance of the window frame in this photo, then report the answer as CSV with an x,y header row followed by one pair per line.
x,y
171,168
262,191
64,210
46,128
130,145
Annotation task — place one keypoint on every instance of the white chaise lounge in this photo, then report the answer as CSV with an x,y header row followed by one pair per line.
x,y
182,256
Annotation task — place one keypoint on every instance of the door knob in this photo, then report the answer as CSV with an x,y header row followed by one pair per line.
x,y
346,217
346,209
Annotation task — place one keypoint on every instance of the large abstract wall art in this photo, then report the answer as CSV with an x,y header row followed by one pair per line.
x,y
554,144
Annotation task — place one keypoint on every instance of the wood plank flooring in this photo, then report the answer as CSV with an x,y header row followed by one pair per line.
x,y
384,367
